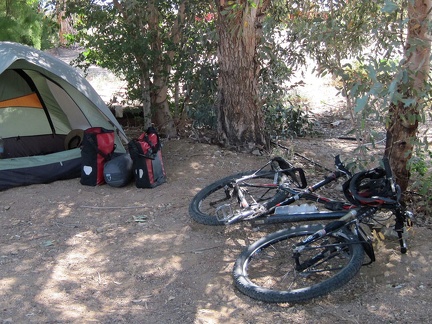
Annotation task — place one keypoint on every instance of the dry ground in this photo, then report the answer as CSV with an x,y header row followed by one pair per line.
x,y
76,254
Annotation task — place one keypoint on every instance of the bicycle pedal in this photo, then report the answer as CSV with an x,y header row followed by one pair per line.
x,y
224,213
409,219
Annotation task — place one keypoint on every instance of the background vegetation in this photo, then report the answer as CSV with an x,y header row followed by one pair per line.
x,y
27,22
187,63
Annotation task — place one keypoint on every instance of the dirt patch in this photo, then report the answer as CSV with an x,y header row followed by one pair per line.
x,y
74,254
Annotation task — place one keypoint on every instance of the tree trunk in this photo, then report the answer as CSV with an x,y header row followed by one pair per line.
x,y
161,115
8,8
403,119
65,26
145,96
240,116
155,72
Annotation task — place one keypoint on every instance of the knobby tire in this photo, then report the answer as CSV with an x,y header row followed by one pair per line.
x,y
265,269
202,212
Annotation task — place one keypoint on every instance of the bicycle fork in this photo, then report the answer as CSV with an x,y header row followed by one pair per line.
x,y
404,219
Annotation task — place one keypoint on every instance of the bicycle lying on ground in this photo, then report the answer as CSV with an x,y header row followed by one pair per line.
x,y
267,196
309,261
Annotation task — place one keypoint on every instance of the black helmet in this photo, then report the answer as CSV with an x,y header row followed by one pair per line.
x,y
371,188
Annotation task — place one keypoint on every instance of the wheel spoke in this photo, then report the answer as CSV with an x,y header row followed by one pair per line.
x,y
273,269
222,193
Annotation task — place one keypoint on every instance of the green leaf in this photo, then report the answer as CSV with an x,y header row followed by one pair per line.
x,y
389,7
361,103
372,72
408,102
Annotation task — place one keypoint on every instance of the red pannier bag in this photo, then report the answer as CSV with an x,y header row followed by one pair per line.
x,y
146,155
96,149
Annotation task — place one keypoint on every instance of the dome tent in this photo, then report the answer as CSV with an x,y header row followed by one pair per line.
x,y
42,101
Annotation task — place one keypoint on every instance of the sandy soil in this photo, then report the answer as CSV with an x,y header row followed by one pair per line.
x,y
76,254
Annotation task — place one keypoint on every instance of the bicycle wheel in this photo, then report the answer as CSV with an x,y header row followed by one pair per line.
x,y
267,270
203,206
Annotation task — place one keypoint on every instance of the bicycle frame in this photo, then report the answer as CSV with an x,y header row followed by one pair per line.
x,y
268,215
353,218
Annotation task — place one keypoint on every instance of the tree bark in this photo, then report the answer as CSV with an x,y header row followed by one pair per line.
x,y
404,119
8,8
161,115
240,116
65,26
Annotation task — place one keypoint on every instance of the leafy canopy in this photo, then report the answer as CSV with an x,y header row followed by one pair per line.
x,y
24,21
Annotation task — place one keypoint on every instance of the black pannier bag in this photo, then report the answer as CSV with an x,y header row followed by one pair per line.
x,y
96,149
146,155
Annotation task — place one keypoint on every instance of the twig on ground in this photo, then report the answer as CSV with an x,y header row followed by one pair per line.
x,y
304,157
201,250
113,207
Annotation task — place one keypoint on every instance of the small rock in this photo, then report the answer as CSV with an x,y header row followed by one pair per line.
x,y
336,123
256,152
217,154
